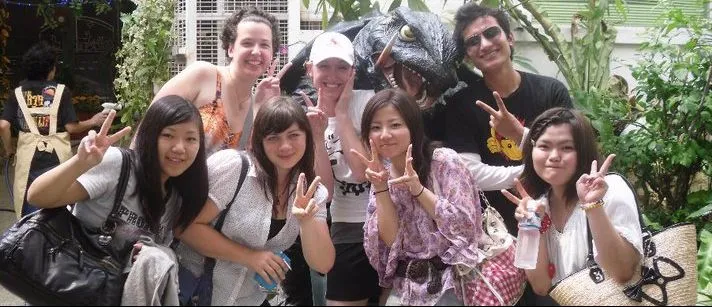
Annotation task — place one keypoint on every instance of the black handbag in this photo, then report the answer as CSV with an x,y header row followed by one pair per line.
x,y
198,291
49,258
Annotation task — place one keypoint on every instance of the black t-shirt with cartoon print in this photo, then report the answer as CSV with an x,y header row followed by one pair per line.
x,y
467,126
39,94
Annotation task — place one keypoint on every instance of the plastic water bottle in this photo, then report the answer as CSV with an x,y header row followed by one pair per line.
x,y
271,286
528,239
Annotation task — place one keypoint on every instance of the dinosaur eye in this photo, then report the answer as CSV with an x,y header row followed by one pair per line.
x,y
406,34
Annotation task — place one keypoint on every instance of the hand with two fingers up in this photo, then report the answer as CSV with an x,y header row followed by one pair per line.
x,y
591,187
316,115
305,206
92,147
410,177
269,86
522,213
504,122
376,173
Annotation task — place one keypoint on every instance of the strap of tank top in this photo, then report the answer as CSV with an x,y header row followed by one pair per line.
x,y
247,126
218,86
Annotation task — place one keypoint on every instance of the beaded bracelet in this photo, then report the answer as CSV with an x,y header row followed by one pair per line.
x,y
593,205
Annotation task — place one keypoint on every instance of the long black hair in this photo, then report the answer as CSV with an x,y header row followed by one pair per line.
x,y
276,116
410,111
191,185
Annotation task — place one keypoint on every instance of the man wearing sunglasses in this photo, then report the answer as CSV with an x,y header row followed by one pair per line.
x,y
486,121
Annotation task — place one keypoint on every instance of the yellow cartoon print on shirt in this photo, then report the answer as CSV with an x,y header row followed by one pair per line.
x,y
496,143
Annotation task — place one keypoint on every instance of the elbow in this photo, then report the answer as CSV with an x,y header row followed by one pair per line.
x,y
540,288
33,197
325,265
4,125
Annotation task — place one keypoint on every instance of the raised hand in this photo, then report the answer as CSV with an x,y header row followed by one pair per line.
x,y
410,176
376,173
342,106
316,115
305,206
505,123
269,86
522,213
93,146
591,187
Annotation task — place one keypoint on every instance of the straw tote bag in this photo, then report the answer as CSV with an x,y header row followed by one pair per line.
x,y
667,275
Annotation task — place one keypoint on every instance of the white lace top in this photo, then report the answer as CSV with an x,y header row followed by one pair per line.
x,y
568,249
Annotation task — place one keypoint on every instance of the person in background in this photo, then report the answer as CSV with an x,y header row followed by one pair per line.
x,y
41,110
561,174
223,94
336,124
423,210
271,208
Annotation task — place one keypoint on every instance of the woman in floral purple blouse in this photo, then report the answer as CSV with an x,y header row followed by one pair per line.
x,y
423,213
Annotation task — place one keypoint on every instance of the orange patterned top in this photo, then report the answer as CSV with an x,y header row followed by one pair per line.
x,y
218,135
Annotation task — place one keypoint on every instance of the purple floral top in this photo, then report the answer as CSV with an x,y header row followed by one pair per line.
x,y
453,235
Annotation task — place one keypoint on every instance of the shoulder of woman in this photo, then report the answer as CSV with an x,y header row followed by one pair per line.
x,y
446,155
226,159
200,69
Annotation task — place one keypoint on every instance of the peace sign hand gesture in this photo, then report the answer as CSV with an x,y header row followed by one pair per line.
x,y
591,187
317,118
505,123
93,146
305,205
410,177
522,213
269,86
376,173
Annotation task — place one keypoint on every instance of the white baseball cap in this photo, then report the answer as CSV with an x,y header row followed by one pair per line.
x,y
332,45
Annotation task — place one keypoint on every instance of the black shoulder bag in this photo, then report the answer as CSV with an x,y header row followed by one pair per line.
x,y
49,258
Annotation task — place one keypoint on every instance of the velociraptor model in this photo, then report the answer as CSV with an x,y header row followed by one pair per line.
x,y
408,49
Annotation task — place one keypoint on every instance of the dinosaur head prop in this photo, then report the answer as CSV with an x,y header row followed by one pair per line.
x,y
411,50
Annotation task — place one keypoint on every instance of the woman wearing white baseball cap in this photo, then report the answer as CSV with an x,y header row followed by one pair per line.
x,y
336,122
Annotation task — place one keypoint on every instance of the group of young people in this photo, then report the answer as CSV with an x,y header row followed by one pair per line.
x,y
398,199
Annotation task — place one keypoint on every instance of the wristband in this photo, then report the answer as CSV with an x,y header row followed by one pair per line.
x,y
421,192
593,205
381,191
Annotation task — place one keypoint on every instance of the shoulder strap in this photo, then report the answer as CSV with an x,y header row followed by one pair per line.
x,y
243,174
55,108
110,225
22,104
247,126
209,264
589,236
218,86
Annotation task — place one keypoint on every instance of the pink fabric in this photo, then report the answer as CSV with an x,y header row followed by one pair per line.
x,y
504,277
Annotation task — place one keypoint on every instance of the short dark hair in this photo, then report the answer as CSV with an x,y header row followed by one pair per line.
x,y
191,185
470,12
584,142
410,112
276,116
254,14
39,60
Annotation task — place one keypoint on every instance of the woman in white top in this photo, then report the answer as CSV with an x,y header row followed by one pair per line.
x,y
336,124
269,211
561,170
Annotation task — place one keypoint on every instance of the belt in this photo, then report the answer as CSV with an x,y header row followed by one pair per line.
x,y
422,270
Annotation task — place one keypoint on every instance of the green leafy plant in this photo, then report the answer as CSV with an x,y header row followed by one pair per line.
x,y
583,60
144,58
46,9
344,10
667,148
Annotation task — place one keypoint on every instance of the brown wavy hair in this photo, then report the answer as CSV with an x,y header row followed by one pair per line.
x,y
254,14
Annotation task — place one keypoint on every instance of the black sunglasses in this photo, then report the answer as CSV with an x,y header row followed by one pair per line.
x,y
489,33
